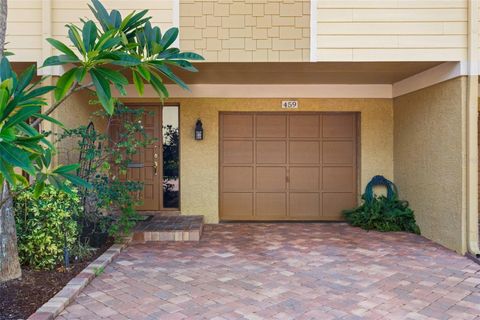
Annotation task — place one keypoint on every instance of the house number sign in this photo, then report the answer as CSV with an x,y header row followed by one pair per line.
x,y
290,104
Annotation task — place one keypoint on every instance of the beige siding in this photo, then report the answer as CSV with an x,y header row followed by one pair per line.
x,y
244,31
26,24
24,30
70,11
388,30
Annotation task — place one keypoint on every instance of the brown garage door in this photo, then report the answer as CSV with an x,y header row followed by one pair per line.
x,y
287,166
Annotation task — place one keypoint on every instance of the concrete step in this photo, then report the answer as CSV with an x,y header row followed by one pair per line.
x,y
169,228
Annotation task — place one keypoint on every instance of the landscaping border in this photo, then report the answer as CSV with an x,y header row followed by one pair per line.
x,y
53,307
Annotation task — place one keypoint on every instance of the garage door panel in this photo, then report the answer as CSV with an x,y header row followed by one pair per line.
x,y
271,152
271,126
338,179
304,126
238,152
271,178
338,152
238,126
338,125
304,178
304,205
304,152
334,203
287,165
237,205
237,178
271,205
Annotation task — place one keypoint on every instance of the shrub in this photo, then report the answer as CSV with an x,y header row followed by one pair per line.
x,y
383,214
44,225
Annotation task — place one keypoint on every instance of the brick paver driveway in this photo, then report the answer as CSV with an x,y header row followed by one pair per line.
x,y
285,271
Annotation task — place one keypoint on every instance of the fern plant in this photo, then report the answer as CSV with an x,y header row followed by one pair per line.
x,y
383,214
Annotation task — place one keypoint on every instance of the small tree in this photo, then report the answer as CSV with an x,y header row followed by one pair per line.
x,y
98,55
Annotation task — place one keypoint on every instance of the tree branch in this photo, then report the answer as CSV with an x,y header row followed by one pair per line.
x,y
73,89
3,25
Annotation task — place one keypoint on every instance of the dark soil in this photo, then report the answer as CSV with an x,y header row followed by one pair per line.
x,y
20,298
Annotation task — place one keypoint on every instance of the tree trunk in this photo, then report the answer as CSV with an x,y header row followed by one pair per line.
x,y
9,263
3,24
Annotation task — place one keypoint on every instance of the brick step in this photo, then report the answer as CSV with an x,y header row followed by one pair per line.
x,y
169,228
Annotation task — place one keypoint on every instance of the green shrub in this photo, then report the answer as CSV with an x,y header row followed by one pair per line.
x,y
44,224
383,214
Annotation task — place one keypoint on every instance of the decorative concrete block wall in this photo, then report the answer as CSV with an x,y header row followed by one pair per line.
x,y
246,30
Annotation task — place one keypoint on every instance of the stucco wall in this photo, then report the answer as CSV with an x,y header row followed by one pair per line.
x,y
428,159
74,112
199,159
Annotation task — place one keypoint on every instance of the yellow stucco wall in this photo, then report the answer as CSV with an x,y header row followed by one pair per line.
x,y
199,159
428,159
74,112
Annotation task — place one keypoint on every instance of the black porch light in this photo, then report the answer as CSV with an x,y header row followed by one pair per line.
x,y
199,130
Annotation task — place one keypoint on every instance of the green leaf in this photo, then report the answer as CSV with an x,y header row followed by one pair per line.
x,y
76,180
5,69
66,168
112,75
80,74
62,48
7,172
186,56
183,64
4,96
158,86
102,88
25,79
58,60
75,37
16,157
64,83
47,158
101,14
169,37
38,92
143,72
38,190
125,60
49,119
89,34
115,18
21,115
169,74
138,82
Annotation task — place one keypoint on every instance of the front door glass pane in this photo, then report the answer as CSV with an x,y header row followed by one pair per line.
x,y
171,158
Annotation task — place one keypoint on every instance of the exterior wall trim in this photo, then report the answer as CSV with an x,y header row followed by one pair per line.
x,y
176,20
440,73
273,91
313,30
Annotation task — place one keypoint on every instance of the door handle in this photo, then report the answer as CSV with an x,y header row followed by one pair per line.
x,y
155,167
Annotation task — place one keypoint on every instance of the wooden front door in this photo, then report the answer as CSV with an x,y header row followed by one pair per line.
x,y
157,165
146,165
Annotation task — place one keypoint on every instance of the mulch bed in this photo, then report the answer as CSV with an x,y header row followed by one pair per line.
x,y
20,298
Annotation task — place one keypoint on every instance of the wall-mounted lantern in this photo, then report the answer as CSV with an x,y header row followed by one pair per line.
x,y
199,130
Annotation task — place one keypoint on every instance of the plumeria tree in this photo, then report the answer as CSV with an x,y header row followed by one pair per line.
x,y
100,55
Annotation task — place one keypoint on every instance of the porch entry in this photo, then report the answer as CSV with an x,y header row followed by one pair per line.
x,y
287,166
157,165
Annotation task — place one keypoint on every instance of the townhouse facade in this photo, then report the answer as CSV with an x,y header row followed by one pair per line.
x,y
301,103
